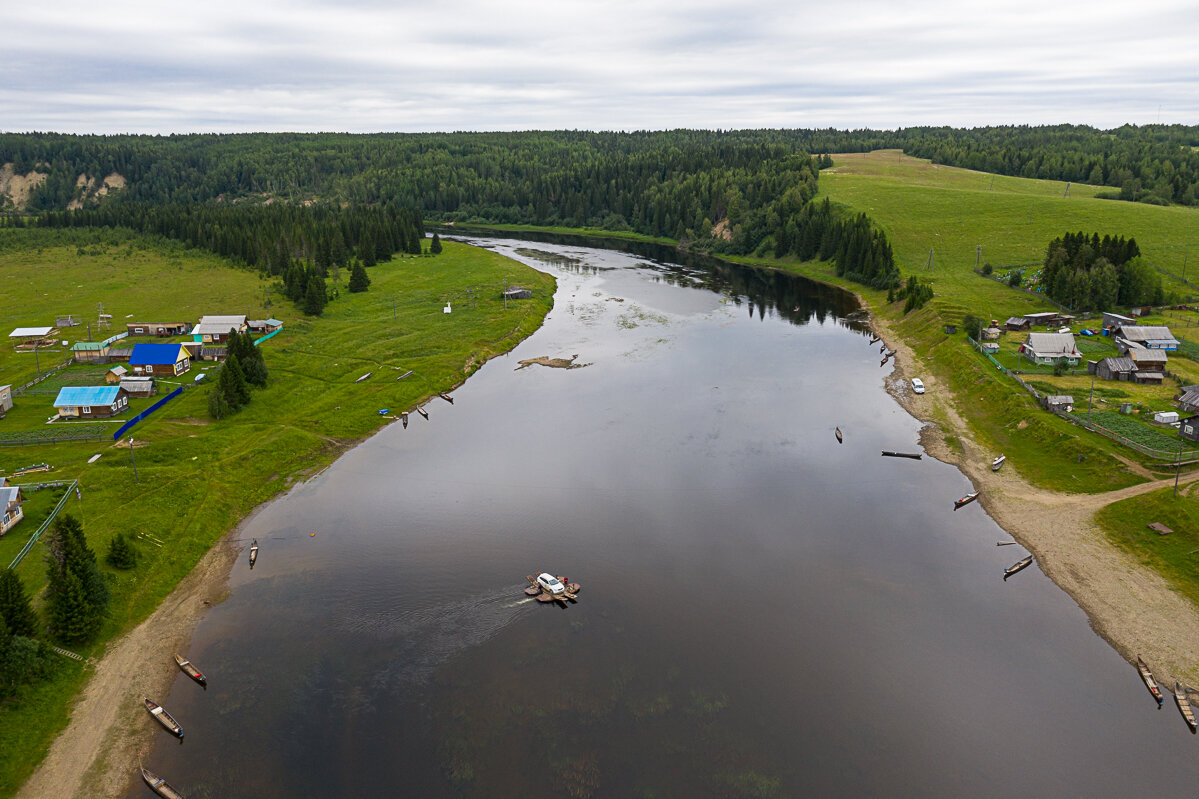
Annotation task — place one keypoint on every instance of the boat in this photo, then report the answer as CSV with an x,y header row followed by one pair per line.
x,y
404,419
159,785
364,377
873,339
446,397
548,588
190,670
253,552
164,718
997,464
384,411
423,412
913,455
966,500
406,374
837,433
1019,565
1184,705
883,362
1150,683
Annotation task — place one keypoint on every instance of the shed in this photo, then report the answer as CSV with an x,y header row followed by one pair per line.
x,y
1115,368
139,386
1115,320
159,359
30,337
90,351
214,354
91,402
121,354
1166,417
1017,323
991,347
991,333
115,374
10,506
5,398
264,325
1188,401
1058,402
66,321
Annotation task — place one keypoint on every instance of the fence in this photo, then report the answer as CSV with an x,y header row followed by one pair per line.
x,y
48,373
33,539
1157,454
258,341
117,435
57,434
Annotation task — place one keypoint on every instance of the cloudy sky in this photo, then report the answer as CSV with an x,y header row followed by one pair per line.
x,y
163,66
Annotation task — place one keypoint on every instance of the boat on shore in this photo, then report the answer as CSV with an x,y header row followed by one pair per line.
x,y
1184,706
253,552
191,671
1150,683
164,718
423,412
997,464
1019,565
966,500
159,785
446,397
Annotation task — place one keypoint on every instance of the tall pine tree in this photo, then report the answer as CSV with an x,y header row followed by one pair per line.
x,y
76,591
14,605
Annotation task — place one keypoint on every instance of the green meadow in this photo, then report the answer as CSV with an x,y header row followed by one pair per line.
x,y
197,477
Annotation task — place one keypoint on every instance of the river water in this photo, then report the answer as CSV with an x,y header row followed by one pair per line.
x,y
764,612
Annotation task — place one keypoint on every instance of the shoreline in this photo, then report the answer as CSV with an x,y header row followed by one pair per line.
x,y
1135,610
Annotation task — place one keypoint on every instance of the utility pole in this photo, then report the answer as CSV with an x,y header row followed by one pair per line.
x,y
132,458
37,361
1090,398
1178,466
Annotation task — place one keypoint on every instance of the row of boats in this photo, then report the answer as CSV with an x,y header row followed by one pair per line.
x,y
1180,694
158,784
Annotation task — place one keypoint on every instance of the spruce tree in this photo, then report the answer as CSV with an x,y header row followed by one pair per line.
x,y
14,605
314,297
435,245
359,281
121,554
237,390
76,591
218,406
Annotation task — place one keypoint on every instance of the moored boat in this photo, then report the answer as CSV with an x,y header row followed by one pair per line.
x,y
159,785
913,455
1019,565
837,433
164,718
190,670
1184,706
253,552
423,412
997,464
446,397
966,500
1150,683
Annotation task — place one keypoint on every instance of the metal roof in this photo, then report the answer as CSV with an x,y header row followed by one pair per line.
x,y
30,332
1048,344
1150,375
89,346
218,325
155,354
1147,356
1147,333
8,495
86,395
1123,364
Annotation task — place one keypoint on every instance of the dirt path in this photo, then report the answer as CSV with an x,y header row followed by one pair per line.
x,y
96,756
1132,607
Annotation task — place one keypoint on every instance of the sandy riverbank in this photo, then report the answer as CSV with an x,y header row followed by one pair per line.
x,y
1132,607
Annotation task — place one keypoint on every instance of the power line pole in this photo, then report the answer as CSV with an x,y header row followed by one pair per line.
x,y
1178,466
1090,398
132,458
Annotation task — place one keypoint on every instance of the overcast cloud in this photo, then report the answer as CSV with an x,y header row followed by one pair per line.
x,y
371,65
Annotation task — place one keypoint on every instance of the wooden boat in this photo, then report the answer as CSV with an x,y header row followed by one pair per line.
x,y
159,785
913,455
1147,678
873,339
997,464
966,500
1019,565
423,412
253,552
446,397
404,419
406,374
190,670
164,718
883,362
364,377
837,433
1184,706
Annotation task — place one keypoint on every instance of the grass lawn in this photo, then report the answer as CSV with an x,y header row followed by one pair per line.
x,y
199,476
1175,556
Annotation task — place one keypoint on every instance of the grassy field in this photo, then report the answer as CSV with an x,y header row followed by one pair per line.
x,y
1174,555
198,477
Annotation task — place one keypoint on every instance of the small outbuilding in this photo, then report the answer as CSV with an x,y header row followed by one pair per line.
x,y
1166,417
160,329
10,506
23,338
115,375
1058,402
5,398
139,386
1017,323
91,402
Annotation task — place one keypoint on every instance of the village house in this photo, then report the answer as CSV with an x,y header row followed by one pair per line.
x,y
159,359
5,399
264,326
1114,321
91,402
1148,360
1124,368
161,329
1188,400
215,329
1189,428
1017,323
10,506
1151,337
1051,348
1049,319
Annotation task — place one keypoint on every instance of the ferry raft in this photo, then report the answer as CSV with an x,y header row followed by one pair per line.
x,y
548,588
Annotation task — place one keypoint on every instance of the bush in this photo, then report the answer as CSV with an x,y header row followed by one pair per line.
x,y
121,554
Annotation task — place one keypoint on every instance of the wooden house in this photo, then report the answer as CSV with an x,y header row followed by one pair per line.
x,y
10,506
95,351
1114,321
1051,348
216,329
119,354
115,375
1049,319
160,329
1151,337
214,354
1188,400
91,402
264,326
1148,360
1017,323
1189,428
5,399
167,360
1058,402
1124,368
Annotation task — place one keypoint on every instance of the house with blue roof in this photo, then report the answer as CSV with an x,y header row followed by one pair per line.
x,y
91,402
148,360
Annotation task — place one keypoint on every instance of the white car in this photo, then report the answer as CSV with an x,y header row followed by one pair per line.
x,y
550,583
917,385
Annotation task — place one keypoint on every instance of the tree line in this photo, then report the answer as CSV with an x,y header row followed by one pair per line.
x,y
1090,273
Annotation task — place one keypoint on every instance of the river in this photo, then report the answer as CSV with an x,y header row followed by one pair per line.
x,y
764,612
